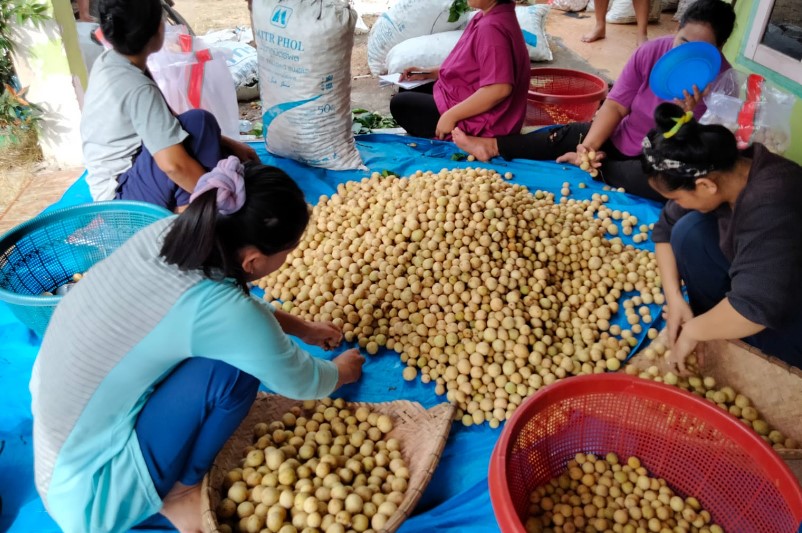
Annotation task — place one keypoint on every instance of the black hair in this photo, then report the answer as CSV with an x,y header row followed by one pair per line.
x,y
273,219
504,1
716,13
129,25
698,149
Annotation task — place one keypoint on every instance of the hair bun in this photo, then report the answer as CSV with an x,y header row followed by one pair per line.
x,y
666,116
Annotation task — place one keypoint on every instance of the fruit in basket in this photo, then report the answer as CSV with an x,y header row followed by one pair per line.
x,y
603,494
322,466
482,287
725,397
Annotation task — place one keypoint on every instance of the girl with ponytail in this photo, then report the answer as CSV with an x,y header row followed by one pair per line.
x,y
152,362
731,232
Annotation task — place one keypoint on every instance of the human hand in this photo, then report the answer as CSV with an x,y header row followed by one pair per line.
x,y
690,101
445,126
418,74
677,356
349,365
323,334
243,152
576,158
677,313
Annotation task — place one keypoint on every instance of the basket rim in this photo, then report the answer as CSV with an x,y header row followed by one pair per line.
x,y
761,453
45,218
544,98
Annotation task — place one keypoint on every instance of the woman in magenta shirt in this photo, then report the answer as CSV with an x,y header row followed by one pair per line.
x,y
480,87
626,115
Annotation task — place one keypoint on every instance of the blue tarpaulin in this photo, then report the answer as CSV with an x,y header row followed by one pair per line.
x,y
457,499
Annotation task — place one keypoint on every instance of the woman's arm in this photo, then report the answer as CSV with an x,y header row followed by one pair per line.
x,y
242,151
722,322
290,324
485,99
179,166
420,74
604,124
678,312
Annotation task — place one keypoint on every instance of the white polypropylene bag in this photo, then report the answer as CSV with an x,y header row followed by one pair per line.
x,y
670,5
244,67
304,49
623,12
404,20
192,76
569,5
532,20
682,6
423,51
241,58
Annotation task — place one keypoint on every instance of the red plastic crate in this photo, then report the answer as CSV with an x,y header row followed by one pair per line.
x,y
560,96
695,446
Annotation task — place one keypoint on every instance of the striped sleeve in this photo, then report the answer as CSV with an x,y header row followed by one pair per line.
x,y
243,332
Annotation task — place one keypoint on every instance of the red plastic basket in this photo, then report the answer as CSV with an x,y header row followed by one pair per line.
x,y
696,447
560,96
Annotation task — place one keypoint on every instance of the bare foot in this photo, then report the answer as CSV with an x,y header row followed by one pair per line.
x,y
642,39
483,149
597,34
182,507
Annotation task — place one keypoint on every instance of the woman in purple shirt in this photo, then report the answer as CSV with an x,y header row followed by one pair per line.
x,y
626,115
481,86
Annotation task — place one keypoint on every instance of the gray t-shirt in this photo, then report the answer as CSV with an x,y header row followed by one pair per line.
x,y
123,110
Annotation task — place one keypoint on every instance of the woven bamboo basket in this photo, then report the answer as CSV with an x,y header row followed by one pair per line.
x,y
774,386
422,434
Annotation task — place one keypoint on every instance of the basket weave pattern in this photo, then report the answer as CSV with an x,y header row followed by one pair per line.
x,y
422,434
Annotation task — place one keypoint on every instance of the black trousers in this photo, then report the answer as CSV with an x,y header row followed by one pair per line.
x,y
617,170
415,111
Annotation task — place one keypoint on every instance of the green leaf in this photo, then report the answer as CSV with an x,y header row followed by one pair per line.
x,y
458,8
458,156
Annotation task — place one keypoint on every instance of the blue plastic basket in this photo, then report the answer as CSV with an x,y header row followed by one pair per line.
x,y
45,252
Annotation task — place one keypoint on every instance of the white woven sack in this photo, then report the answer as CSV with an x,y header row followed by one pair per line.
x,y
304,49
569,5
404,20
532,20
423,51
682,6
670,5
623,12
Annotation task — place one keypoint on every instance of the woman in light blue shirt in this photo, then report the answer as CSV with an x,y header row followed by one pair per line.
x,y
152,361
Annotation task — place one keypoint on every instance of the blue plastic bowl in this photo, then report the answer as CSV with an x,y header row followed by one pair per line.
x,y
44,253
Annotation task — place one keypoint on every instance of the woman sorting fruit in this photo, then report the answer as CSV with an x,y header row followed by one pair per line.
x,y
134,146
614,136
480,87
153,360
730,232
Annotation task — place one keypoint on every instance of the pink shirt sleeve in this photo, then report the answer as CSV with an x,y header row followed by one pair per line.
x,y
497,63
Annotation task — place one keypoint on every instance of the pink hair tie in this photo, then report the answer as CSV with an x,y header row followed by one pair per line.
x,y
228,178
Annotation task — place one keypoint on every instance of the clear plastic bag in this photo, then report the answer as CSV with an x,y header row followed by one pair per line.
x,y
192,76
752,108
